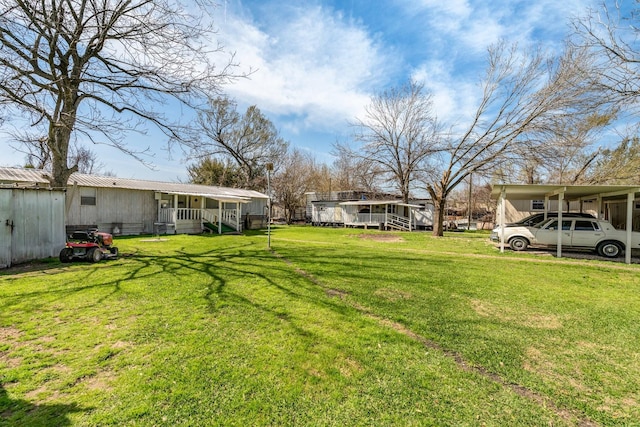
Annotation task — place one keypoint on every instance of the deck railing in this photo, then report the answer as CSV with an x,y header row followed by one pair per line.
x,y
364,218
173,215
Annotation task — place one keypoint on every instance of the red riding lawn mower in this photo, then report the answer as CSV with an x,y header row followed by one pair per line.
x,y
91,245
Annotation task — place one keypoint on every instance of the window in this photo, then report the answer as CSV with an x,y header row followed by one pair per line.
x,y
582,225
87,197
553,225
537,205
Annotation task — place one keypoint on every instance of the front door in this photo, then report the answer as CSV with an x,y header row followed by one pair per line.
x,y
6,227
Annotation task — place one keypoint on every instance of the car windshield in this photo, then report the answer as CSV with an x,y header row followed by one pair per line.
x,y
544,222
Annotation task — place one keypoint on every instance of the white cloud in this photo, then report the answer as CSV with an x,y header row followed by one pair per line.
x,y
311,64
454,99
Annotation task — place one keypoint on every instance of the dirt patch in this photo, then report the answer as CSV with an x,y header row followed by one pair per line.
x,y
511,315
9,333
335,293
389,238
29,267
392,294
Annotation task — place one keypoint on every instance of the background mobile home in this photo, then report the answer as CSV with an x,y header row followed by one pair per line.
x,y
364,209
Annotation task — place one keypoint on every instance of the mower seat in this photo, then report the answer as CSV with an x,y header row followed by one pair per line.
x,y
80,235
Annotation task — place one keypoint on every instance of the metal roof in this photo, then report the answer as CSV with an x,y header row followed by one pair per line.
x,y
570,192
378,202
38,176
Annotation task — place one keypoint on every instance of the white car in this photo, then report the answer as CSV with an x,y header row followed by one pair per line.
x,y
581,233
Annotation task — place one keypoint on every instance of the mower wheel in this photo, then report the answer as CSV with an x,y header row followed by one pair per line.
x,y
94,255
114,252
66,254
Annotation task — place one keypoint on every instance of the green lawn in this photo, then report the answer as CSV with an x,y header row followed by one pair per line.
x,y
334,327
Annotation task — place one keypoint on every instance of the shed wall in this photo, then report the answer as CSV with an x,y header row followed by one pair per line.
x,y
33,225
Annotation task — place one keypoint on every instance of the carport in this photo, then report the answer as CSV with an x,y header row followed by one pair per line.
x,y
580,193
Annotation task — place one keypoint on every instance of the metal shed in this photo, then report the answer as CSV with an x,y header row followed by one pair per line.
x,y
32,224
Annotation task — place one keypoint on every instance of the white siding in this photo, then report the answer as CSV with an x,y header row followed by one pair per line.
x,y
130,211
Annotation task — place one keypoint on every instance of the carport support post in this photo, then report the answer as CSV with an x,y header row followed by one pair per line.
x,y
627,252
560,201
503,196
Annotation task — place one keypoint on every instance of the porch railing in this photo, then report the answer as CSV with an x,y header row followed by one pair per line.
x,y
364,218
172,215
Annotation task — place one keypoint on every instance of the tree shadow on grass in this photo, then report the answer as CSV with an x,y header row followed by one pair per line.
x,y
17,412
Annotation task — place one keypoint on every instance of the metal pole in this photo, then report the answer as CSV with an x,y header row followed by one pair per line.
x,y
469,203
269,169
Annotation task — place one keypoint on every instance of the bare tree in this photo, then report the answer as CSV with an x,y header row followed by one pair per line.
x,y
102,68
565,148
350,173
213,171
251,140
398,133
295,177
38,155
520,93
618,165
611,36
87,161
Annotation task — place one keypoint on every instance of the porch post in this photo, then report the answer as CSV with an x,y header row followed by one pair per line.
x,y
238,214
409,207
386,215
219,216
627,252
175,209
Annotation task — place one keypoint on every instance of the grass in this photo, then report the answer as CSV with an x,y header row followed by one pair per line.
x,y
334,327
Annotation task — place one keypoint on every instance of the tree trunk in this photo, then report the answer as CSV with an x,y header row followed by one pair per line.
x,y
438,215
59,137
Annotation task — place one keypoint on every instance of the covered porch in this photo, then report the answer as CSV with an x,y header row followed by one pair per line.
x,y
385,214
192,213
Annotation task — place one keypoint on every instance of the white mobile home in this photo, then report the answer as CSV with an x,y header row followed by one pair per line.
x,y
133,206
359,211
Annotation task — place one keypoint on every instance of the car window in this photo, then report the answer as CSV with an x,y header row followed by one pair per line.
x,y
585,226
553,225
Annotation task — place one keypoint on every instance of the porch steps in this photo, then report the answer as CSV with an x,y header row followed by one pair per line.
x,y
213,228
398,223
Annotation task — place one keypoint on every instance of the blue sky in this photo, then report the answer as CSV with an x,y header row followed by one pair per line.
x,y
317,63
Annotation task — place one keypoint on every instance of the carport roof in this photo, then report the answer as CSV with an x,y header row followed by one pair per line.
x,y
571,192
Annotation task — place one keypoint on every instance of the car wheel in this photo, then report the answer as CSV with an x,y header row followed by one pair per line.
x,y
610,249
95,255
518,243
65,255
